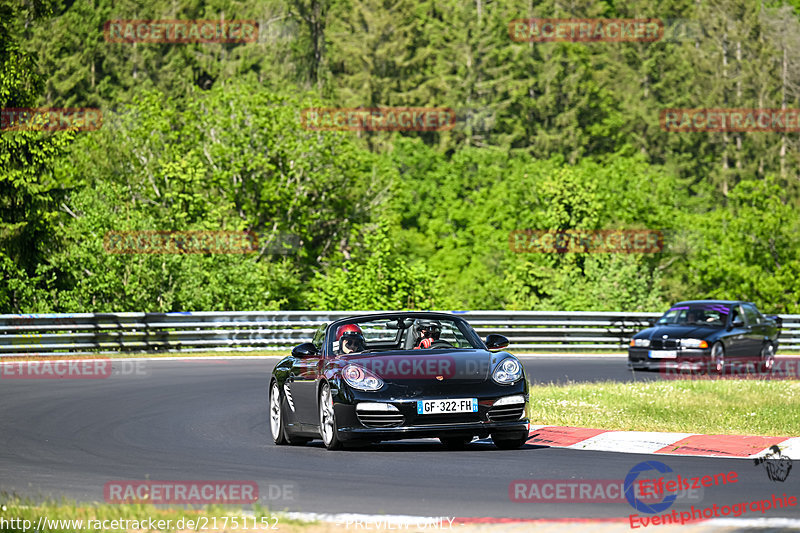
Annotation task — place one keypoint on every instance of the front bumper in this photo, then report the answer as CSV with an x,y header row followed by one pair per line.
x,y
479,429
404,422
687,358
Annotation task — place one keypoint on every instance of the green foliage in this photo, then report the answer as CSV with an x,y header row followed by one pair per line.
x,y
549,136
234,158
458,214
29,194
750,251
376,277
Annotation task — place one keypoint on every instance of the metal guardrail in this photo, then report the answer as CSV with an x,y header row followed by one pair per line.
x,y
107,333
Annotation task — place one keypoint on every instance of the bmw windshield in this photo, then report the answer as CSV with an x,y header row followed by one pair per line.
x,y
714,315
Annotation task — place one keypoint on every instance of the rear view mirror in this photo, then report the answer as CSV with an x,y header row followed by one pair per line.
x,y
307,349
496,342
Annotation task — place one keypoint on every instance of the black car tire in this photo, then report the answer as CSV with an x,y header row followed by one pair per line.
x,y
277,420
455,443
327,419
767,357
718,358
276,425
504,442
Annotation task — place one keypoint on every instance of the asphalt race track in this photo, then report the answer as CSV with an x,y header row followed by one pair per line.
x,y
207,419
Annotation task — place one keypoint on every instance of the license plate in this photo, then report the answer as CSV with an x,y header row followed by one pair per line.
x,y
663,354
459,405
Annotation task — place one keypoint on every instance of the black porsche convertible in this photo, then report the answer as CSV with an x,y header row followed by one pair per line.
x,y
707,335
402,375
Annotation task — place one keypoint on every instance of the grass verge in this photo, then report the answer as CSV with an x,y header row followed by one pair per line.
x,y
735,407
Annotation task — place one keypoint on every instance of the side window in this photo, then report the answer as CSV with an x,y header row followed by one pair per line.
x,y
319,336
736,310
751,315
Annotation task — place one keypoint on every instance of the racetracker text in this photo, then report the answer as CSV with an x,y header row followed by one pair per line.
x,y
180,31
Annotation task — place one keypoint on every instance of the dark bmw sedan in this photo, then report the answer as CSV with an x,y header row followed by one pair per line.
x,y
391,376
707,334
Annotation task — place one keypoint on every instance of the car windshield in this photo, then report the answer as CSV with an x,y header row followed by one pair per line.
x,y
405,333
696,315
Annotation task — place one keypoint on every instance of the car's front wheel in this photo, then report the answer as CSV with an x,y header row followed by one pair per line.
x,y
718,358
276,426
509,442
277,423
327,419
767,357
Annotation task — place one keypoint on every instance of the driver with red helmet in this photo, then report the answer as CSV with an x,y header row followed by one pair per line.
x,y
351,339
430,330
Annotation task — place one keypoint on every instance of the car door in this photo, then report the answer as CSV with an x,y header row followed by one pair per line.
x,y
303,382
756,334
736,345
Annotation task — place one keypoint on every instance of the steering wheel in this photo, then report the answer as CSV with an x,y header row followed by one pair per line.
x,y
441,344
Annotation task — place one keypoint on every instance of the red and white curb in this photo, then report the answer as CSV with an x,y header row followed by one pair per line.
x,y
658,443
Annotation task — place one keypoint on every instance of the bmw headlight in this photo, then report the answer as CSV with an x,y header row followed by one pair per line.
x,y
693,343
508,371
640,343
360,378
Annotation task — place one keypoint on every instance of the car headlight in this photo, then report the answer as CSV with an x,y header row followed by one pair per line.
x,y
508,371
641,343
693,343
360,378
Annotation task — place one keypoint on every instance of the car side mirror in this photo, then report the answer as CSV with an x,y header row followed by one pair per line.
x,y
496,342
307,349
738,324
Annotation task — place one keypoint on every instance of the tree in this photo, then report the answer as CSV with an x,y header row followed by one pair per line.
x,y
376,277
30,196
748,252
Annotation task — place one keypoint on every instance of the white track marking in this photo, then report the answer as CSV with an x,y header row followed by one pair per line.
x,y
630,441
789,447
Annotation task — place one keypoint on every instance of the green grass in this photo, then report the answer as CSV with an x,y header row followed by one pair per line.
x,y
13,507
736,407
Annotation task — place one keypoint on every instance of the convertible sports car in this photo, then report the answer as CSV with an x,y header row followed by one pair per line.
x,y
401,375
710,334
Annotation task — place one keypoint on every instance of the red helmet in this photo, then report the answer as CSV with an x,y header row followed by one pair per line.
x,y
351,329
351,339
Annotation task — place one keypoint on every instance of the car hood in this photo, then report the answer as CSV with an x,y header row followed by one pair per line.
x,y
679,332
429,365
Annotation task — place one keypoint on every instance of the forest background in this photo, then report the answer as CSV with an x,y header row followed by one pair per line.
x,y
548,136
